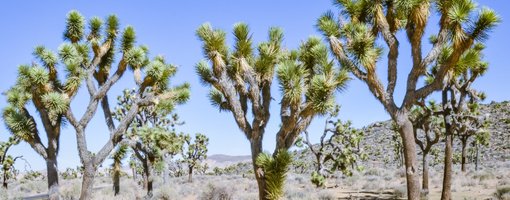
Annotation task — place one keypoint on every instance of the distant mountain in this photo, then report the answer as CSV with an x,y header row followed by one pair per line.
x,y
222,160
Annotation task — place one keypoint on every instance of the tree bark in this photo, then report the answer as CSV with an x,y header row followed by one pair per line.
x,y
4,182
477,156
116,179
448,162
425,183
52,174
463,159
256,149
89,175
407,134
190,174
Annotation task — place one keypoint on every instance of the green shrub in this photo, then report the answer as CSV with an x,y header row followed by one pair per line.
x,y
318,180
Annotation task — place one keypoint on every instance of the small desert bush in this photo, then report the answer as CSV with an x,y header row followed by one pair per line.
x,y
400,192
503,192
165,193
70,190
213,192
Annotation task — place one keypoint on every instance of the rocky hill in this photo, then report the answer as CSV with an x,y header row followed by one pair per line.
x,y
379,143
380,140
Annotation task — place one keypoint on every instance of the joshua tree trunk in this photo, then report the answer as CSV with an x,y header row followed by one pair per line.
x,y
190,174
463,159
52,174
477,156
165,169
148,175
256,149
4,183
116,179
448,158
448,162
407,134
89,174
425,183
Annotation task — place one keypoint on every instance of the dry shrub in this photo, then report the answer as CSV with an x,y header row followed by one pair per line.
x,y
503,192
214,192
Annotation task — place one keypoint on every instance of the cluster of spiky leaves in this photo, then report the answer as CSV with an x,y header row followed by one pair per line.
x,y
243,75
194,152
275,170
152,131
354,40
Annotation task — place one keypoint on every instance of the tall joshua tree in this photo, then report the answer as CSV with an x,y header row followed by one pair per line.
x,y
456,95
427,131
87,60
151,135
241,84
40,84
354,44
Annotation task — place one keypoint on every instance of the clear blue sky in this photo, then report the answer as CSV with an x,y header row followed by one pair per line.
x,y
168,28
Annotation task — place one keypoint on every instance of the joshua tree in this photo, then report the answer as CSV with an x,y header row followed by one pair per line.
x,y
241,84
118,155
353,42
482,139
87,60
339,147
194,153
7,161
458,98
151,135
427,131
470,124
40,84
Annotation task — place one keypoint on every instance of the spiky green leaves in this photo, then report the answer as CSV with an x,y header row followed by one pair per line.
x,y
460,10
291,77
362,45
136,58
75,25
55,102
69,55
204,72
217,99
128,38
243,42
95,25
487,20
328,26
18,97
213,39
46,56
275,170
112,27
18,123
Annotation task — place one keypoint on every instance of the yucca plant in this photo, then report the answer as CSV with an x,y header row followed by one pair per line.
x,y
274,169
241,80
355,45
